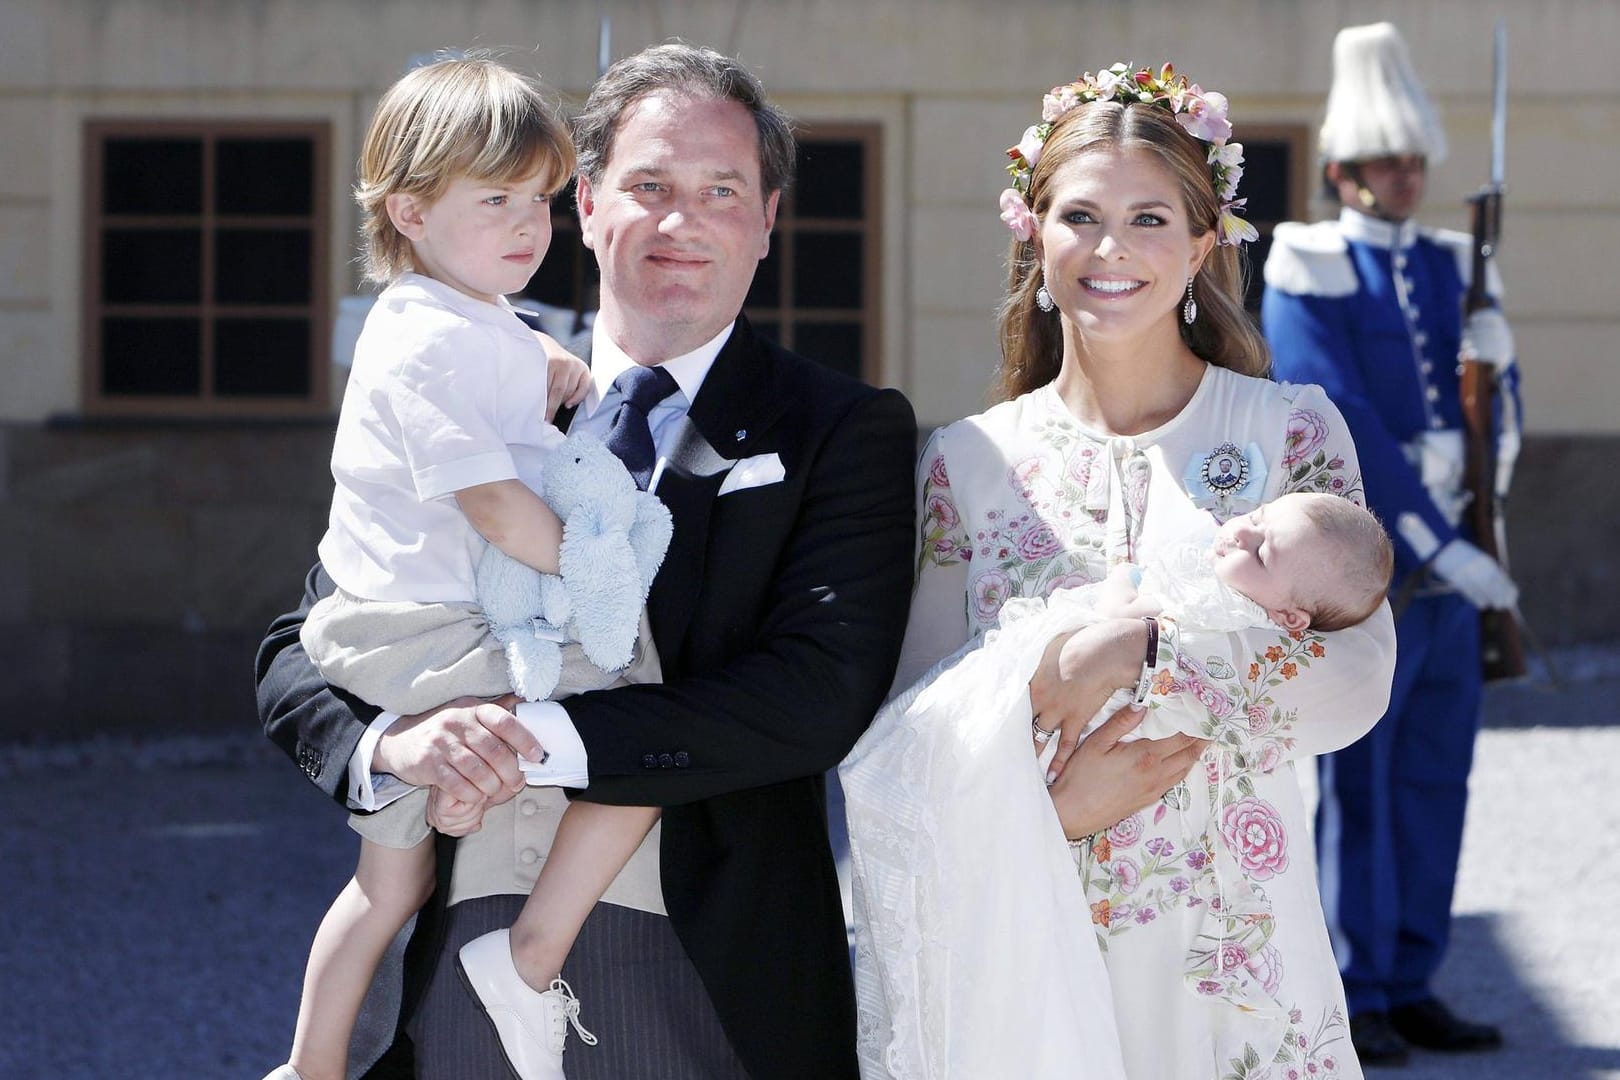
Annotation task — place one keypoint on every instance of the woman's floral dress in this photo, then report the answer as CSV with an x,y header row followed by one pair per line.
x,y
1204,903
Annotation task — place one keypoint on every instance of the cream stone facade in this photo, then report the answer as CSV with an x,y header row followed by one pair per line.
x,y
191,536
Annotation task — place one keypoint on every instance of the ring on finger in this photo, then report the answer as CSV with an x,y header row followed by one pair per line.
x,y
1042,736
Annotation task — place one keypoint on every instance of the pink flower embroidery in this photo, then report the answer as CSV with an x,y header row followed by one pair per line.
x,y
1306,431
1126,874
1127,832
1066,581
1267,967
1233,956
1210,698
990,591
1255,835
1026,472
942,510
936,472
1259,720
1041,542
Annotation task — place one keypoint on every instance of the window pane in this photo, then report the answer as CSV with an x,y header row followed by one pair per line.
x,y
831,181
264,176
262,266
151,176
838,345
261,357
151,356
827,270
766,291
151,266
1266,175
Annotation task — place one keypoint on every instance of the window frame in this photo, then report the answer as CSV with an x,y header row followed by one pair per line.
x,y
787,315
318,222
1302,180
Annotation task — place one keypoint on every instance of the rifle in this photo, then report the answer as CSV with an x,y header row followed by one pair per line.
x,y
1501,650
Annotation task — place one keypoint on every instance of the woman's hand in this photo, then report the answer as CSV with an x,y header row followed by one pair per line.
x,y
1076,675
1107,780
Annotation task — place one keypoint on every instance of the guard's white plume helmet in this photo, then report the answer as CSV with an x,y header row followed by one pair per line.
x,y
1377,106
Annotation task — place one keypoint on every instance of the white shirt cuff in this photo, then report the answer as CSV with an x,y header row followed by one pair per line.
x,y
565,764
369,790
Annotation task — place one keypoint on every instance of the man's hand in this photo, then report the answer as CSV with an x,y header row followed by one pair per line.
x,y
1486,337
568,378
469,748
1106,780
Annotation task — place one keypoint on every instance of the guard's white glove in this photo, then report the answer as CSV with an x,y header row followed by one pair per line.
x,y
1487,337
1476,575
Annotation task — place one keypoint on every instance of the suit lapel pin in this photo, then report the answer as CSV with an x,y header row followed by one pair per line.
x,y
742,433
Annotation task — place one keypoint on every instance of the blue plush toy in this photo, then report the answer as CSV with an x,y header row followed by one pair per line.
x,y
614,539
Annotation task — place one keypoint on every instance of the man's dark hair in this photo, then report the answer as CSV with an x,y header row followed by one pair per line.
x,y
684,69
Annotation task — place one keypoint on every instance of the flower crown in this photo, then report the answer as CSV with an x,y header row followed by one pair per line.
x,y
1202,113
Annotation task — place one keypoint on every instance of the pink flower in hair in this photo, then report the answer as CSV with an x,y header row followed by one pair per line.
x,y
1059,101
1016,213
1204,116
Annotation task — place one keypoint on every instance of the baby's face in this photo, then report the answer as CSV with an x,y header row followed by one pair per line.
x,y
1270,555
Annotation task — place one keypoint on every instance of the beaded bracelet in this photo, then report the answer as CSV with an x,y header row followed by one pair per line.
x,y
1150,663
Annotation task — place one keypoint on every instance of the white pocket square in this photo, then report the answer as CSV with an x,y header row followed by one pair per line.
x,y
752,472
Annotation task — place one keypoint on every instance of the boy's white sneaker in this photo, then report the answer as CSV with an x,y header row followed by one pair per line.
x,y
532,1026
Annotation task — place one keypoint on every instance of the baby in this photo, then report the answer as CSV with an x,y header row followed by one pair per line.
x,y
1204,896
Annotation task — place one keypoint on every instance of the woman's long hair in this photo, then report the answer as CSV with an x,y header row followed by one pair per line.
x,y
1032,339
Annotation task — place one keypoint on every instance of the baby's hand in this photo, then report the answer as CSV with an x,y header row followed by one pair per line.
x,y
568,378
1116,596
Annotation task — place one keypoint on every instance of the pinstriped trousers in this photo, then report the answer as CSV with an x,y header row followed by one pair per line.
x,y
638,991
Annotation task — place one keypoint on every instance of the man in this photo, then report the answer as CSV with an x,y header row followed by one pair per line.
x,y
777,615
1369,306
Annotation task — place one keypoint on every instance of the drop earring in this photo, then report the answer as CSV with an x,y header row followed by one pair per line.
x,y
1043,299
1189,310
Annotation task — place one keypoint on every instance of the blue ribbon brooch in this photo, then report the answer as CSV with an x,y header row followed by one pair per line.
x,y
1227,481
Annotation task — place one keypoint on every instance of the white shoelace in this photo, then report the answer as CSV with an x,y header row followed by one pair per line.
x,y
568,1014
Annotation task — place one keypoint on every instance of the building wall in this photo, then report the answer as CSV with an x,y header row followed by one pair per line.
x,y
164,547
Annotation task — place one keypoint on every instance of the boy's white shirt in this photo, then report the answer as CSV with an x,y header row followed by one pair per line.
x,y
566,765
446,392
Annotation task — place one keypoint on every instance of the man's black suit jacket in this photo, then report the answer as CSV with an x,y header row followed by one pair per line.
x,y
778,616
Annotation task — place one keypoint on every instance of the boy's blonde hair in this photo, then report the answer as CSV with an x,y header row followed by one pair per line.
x,y
468,116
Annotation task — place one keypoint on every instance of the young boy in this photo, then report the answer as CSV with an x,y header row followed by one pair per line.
x,y
442,438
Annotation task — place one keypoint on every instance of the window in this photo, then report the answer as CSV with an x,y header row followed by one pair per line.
x,y
205,269
817,291
1278,179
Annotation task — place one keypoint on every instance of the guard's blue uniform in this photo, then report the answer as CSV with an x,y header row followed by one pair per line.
x,y
1373,313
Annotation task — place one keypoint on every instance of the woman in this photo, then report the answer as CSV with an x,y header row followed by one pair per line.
x,y
1134,416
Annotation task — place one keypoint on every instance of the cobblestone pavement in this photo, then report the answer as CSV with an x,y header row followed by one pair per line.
x,y
159,894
